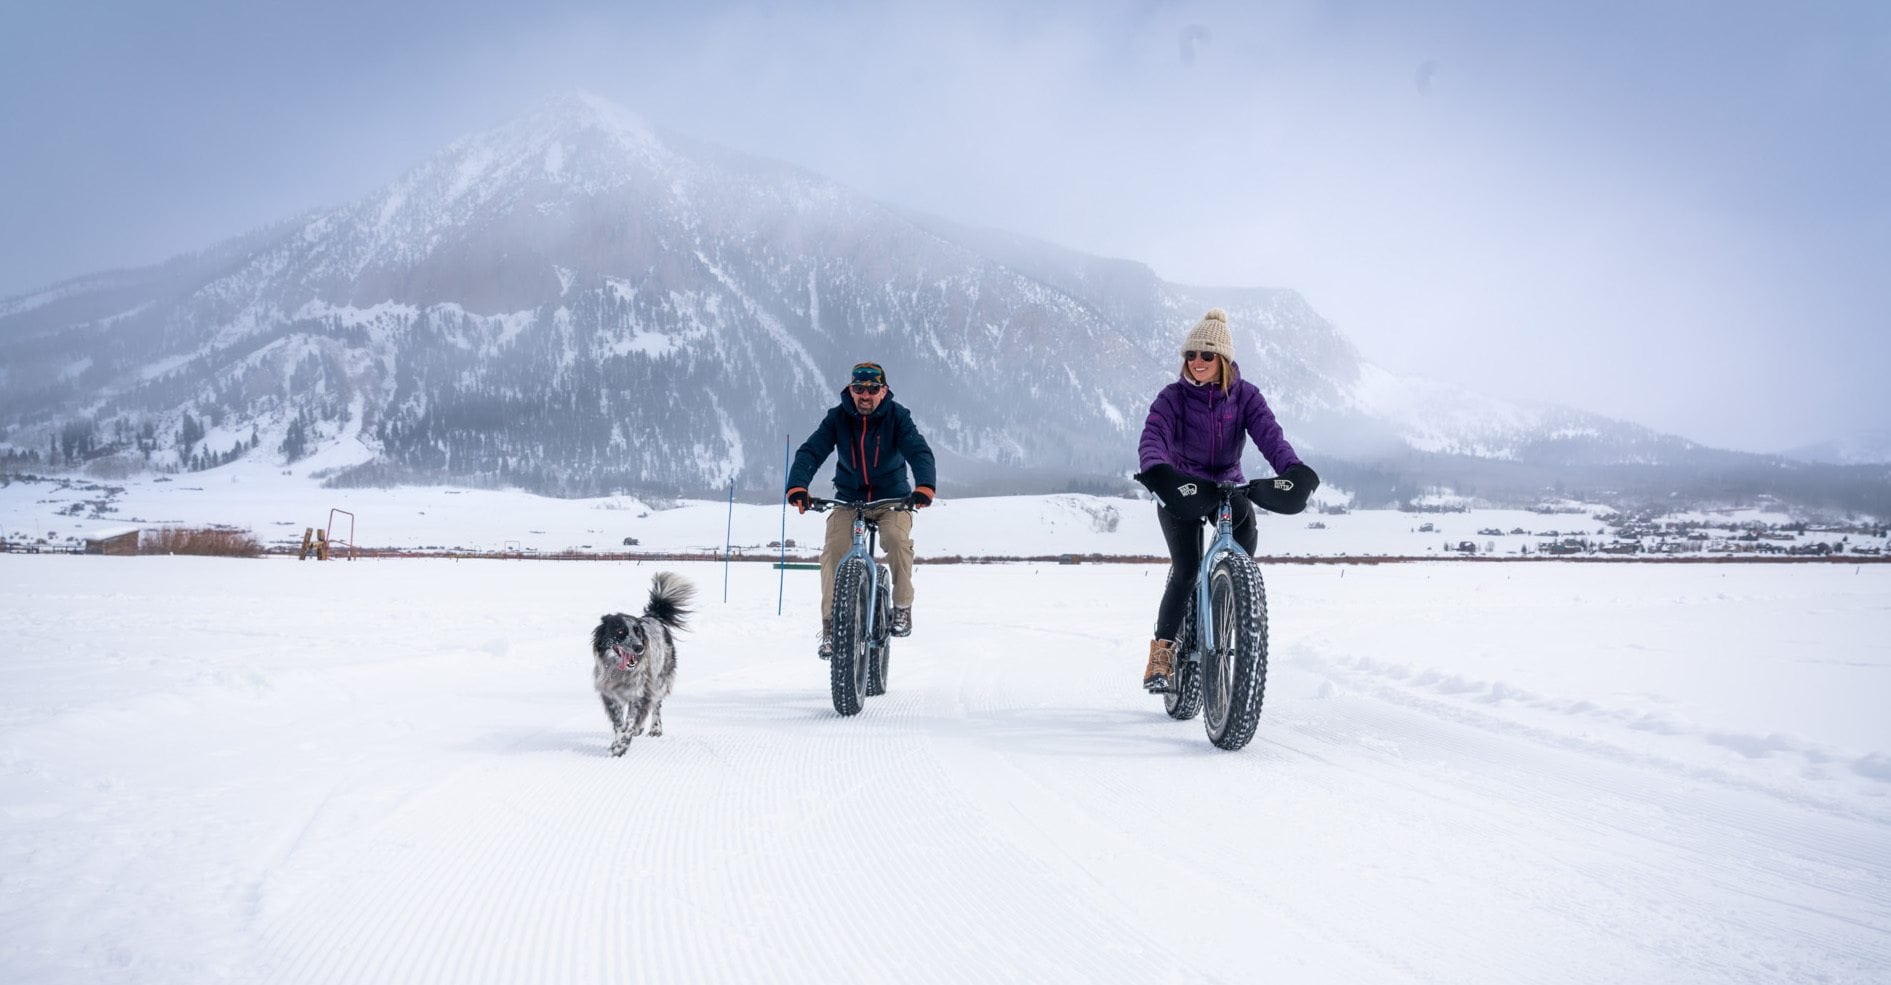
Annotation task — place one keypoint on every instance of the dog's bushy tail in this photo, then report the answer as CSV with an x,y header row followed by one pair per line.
x,y
669,593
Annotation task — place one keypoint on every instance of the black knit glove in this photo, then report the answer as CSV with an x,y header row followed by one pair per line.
x,y
1286,493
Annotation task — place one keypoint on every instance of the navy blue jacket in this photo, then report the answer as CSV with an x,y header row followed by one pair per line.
x,y
875,452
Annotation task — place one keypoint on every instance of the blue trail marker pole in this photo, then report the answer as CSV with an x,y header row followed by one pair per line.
x,y
727,535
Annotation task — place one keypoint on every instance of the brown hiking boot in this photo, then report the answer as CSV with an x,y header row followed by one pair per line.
x,y
1156,677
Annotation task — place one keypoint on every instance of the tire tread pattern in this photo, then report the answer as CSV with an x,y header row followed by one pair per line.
x,y
850,627
1249,683
1185,701
881,650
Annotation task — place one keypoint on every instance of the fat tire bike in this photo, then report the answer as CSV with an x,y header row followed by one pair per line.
x,y
862,617
1221,648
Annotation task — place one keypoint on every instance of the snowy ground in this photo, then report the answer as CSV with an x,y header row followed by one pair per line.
x,y
395,771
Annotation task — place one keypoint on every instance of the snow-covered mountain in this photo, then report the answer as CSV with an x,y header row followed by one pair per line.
x,y
576,302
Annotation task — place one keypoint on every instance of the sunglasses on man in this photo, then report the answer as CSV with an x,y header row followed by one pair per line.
x,y
866,388
1203,356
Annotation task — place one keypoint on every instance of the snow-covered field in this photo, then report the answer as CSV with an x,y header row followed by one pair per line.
x,y
395,771
278,507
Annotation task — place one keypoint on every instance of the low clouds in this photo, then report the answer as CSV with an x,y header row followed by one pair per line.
x,y
1628,209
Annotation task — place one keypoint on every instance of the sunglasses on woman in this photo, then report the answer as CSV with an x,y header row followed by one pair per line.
x,y
867,388
1203,356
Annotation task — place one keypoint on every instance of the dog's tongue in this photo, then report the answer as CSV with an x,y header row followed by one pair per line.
x,y
624,657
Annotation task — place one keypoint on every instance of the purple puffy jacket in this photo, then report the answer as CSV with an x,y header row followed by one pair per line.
x,y
1199,430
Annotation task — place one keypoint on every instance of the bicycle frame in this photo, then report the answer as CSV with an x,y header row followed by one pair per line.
x,y
1224,541
865,541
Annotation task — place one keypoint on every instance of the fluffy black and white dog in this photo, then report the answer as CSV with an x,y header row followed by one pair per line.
x,y
636,659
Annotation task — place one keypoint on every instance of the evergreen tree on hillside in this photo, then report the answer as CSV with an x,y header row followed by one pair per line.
x,y
295,444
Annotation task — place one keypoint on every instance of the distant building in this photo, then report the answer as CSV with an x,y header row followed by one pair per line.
x,y
114,540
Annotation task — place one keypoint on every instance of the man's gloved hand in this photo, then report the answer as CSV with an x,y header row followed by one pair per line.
x,y
920,498
798,498
1285,493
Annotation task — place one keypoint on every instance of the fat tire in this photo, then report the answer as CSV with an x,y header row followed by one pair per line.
x,y
882,648
852,649
1232,693
1184,700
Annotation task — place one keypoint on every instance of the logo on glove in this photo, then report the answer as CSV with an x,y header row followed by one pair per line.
x,y
1185,489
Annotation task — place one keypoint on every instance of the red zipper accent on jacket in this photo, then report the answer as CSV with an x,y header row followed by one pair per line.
x,y
860,460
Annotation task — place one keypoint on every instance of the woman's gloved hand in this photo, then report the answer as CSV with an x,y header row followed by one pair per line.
x,y
1285,493
1181,494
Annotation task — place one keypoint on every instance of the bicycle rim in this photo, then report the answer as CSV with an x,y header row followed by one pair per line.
x,y
1238,679
863,637
1217,658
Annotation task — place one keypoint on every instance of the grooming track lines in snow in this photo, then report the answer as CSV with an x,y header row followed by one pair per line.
x,y
1463,773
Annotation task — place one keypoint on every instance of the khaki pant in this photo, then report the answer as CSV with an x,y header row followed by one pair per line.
x,y
896,539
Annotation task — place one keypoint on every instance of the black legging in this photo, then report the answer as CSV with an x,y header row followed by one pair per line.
x,y
1185,560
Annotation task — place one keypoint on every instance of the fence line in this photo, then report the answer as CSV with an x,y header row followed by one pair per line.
x,y
713,555
784,558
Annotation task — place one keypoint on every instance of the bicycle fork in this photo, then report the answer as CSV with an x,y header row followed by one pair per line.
x,y
864,542
1204,602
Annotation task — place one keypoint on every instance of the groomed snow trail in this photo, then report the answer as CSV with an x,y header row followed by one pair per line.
x,y
397,772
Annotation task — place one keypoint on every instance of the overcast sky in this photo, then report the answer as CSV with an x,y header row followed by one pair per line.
x,y
1673,213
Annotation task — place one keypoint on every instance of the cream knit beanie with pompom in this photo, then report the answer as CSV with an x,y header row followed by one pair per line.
x,y
1211,333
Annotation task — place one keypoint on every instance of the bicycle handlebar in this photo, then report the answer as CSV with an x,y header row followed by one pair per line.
x,y
897,504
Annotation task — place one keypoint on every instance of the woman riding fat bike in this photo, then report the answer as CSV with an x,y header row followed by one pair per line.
x,y
1197,428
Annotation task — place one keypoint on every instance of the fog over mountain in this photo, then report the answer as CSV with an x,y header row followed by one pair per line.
x,y
1862,448
576,303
